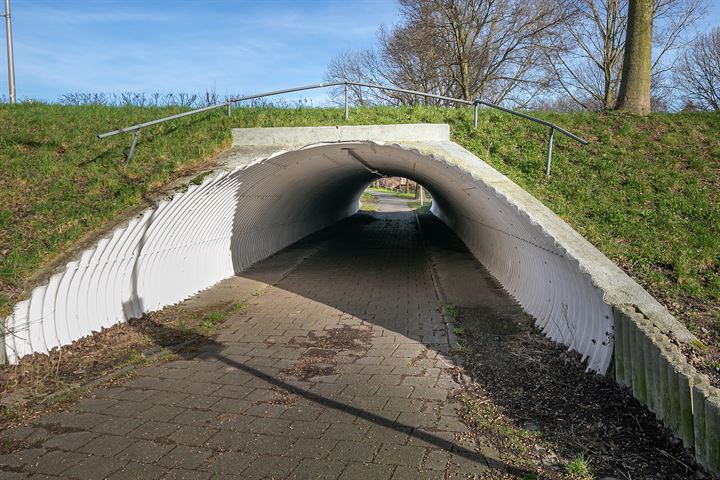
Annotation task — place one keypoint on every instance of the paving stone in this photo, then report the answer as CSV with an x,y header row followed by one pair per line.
x,y
267,466
393,454
307,430
396,435
325,470
197,401
410,473
348,451
368,404
127,408
55,462
135,470
266,410
69,441
313,449
118,426
451,424
192,435
160,413
181,474
197,418
77,421
429,393
185,457
404,405
346,431
436,460
472,463
333,416
4,475
28,433
227,440
401,391
107,445
93,467
367,471
97,405
418,419
385,379
230,463
134,394
145,451
20,458
154,430
277,426
267,444
231,405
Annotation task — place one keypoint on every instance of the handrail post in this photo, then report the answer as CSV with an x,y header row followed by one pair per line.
x,y
229,109
347,108
549,151
475,113
136,134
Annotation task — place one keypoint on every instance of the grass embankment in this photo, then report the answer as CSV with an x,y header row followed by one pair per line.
x,y
368,202
645,191
397,193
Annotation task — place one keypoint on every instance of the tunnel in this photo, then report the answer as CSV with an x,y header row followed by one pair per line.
x,y
281,185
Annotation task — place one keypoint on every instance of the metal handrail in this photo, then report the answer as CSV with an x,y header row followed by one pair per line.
x,y
230,102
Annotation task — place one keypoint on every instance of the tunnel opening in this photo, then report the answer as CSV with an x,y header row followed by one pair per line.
x,y
230,222
395,194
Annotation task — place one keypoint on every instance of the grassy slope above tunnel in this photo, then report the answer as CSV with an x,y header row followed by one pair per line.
x,y
645,191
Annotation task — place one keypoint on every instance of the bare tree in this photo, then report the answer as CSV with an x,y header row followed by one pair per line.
x,y
588,63
485,49
634,94
698,73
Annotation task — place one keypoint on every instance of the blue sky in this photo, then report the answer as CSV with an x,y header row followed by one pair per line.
x,y
189,45
183,45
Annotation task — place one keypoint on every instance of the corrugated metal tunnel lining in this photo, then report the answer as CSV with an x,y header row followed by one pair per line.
x,y
221,227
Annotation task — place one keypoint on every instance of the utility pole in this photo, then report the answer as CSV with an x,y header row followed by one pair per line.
x,y
10,59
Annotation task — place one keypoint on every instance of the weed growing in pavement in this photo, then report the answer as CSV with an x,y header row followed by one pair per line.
x,y
238,307
489,421
211,320
453,311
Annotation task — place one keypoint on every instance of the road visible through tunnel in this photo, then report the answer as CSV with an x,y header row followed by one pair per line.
x,y
341,368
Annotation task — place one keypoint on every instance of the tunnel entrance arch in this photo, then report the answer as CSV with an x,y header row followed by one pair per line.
x,y
279,185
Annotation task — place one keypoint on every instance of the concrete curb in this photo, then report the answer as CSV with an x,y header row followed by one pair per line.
x,y
659,376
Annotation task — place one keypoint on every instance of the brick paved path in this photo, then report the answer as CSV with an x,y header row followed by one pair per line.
x,y
336,371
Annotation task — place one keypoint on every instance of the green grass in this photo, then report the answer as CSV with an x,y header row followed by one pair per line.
x,y
410,195
368,202
579,468
645,191
453,311
211,320
238,307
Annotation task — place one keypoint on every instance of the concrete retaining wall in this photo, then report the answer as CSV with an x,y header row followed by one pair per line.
x,y
650,364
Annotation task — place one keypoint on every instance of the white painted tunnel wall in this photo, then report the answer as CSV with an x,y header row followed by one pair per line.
x,y
231,221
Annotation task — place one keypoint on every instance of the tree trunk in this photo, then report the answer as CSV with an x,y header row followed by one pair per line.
x,y
635,82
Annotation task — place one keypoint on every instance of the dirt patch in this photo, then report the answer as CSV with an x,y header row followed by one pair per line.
x,y
322,347
704,320
42,383
532,400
